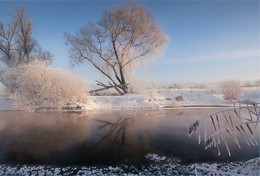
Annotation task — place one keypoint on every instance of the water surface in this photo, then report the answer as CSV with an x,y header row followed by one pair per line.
x,y
107,137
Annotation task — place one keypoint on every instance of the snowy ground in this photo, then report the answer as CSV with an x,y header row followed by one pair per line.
x,y
160,165
159,98
167,98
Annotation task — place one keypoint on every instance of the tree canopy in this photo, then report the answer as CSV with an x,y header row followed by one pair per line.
x,y
124,37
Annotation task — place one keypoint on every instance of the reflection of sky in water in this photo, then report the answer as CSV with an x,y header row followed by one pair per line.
x,y
105,137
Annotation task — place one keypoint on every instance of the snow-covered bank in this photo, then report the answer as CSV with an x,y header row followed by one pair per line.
x,y
161,98
157,98
166,167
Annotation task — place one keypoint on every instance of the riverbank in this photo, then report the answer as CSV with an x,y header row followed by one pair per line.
x,y
169,98
156,168
158,98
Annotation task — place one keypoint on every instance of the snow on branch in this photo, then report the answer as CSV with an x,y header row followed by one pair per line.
x,y
238,123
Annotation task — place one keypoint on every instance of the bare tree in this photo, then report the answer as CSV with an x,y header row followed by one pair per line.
x,y
24,38
124,37
7,43
43,55
17,45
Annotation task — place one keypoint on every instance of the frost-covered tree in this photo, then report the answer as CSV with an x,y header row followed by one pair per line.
x,y
124,37
34,84
17,44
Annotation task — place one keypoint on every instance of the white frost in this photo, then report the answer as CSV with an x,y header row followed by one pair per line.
x,y
162,98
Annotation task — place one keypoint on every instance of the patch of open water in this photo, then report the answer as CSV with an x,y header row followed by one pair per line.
x,y
104,138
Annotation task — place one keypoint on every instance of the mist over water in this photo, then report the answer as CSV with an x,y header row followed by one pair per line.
x,y
107,137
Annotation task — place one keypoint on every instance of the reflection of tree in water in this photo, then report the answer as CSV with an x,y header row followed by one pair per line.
x,y
34,137
116,134
68,138
128,136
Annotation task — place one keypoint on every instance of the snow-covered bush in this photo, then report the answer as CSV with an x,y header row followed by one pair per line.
x,y
137,87
231,89
176,86
34,84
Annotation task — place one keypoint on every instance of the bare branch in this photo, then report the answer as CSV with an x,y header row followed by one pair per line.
x,y
238,124
123,37
16,42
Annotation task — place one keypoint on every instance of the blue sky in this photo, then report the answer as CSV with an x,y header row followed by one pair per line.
x,y
209,40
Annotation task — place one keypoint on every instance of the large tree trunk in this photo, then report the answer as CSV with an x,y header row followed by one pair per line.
x,y
123,83
121,71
